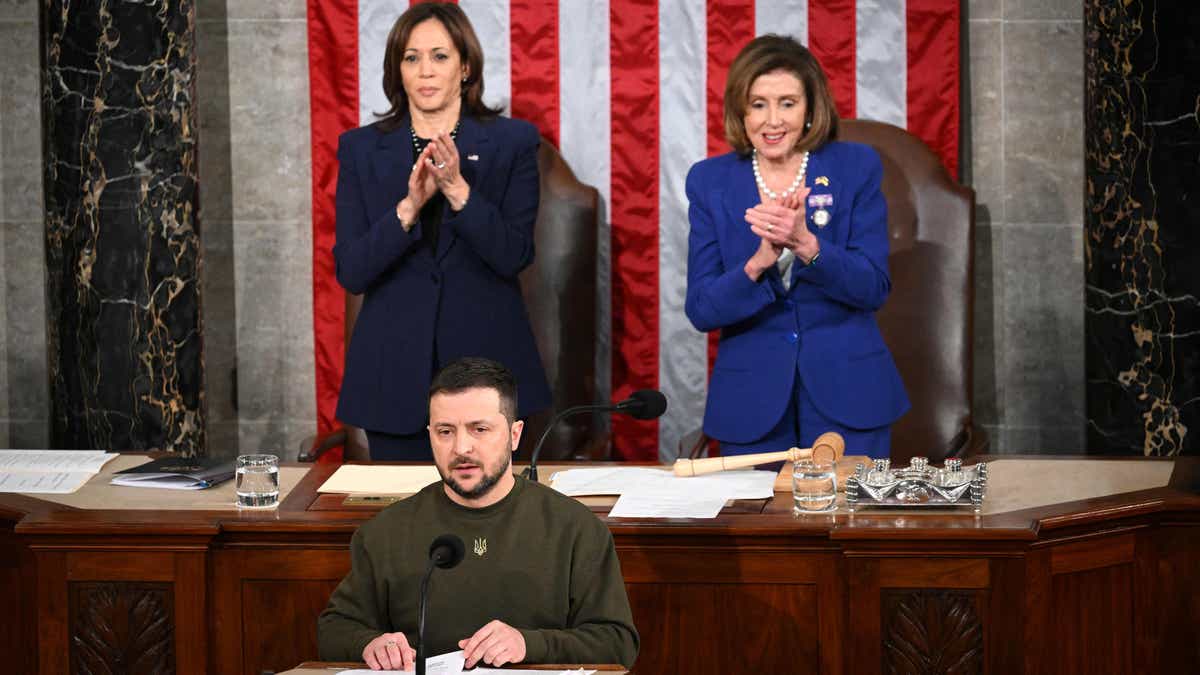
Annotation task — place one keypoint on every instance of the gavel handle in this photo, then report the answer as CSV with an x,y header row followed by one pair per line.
x,y
698,467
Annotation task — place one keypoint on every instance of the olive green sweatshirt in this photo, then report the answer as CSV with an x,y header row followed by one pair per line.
x,y
537,560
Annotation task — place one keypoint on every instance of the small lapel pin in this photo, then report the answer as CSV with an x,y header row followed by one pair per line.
x,y
822,180
473,158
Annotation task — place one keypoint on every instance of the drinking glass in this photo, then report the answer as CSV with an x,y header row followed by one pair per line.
x,y
814,486
257,481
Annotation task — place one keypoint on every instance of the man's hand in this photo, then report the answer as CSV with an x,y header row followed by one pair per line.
x,y
390,651
496,644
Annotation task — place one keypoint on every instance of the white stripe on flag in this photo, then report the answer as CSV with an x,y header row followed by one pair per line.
x,y
682,354
782,17
882,64
375,19
491,23
585,129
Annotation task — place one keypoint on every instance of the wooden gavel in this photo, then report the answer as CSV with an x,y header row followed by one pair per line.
x,y
829,446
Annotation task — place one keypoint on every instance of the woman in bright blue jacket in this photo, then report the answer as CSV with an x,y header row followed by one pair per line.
x,y
787,258
435,210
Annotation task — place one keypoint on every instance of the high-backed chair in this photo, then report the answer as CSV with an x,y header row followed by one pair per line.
x,y
927,319
560,295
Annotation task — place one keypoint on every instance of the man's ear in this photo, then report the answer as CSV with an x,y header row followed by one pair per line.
x,y
515,429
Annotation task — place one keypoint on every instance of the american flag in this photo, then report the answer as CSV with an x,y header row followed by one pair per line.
x,y
631,93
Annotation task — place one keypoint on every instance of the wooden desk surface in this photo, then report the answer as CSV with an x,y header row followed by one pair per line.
x,y
324,667
1102,583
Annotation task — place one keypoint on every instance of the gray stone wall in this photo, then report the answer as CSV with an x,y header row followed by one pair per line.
x,y
256,219
1025,82
1026,143
24,402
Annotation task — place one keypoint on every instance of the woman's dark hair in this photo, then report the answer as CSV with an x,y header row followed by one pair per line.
x,y
471,372
765,54
465,42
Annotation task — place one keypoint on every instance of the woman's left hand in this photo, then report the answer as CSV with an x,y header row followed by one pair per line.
x,y
784,224
447,171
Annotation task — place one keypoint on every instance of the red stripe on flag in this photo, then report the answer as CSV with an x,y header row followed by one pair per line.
x,y
934,76
333,106
633,55
730,25
831,37
534,79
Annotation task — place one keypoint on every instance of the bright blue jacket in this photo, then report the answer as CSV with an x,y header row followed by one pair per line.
x,y
465,298
824,325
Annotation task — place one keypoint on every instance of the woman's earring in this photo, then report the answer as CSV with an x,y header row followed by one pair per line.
x,y
807,125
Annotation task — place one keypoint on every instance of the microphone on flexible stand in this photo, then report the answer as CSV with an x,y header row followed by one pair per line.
x,y
643,404
445,552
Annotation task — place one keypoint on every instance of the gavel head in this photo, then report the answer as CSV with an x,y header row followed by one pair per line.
x,y
829,447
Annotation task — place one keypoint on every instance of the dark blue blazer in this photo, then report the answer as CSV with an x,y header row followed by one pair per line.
x,y
824,325
463,299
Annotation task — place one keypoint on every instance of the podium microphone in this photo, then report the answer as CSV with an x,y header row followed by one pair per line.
x,y
643,404
445,552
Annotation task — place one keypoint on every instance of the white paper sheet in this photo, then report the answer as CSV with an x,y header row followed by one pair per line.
x,y
666,505
616,480
451,663
360,479
90,461
43,482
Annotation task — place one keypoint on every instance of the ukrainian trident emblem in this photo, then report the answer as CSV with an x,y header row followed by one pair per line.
x,y
480,546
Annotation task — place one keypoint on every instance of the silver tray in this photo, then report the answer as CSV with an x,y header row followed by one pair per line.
x,y
917,485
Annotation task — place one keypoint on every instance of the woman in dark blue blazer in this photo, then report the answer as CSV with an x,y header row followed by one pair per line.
x,y
435,210
787,257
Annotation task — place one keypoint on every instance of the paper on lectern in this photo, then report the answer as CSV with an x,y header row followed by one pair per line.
x,y
378,479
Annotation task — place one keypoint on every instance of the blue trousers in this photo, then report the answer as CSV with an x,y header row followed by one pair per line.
x,y
802,423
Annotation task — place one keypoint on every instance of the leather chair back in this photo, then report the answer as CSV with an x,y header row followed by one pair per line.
x,y
927,320
560,295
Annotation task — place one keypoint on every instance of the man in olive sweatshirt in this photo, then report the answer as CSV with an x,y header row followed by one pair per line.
x,y
540,583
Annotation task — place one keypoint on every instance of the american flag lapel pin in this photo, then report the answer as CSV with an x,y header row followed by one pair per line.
x,y
473,158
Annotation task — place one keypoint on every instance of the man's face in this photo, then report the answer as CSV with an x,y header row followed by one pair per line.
x,y
472,445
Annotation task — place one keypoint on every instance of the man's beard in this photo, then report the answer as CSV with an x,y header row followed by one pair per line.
x,y
485,484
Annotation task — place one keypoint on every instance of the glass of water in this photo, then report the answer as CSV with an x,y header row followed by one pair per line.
x,y
257,481
814,486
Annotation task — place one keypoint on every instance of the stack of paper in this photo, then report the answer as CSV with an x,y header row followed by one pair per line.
x,y
647,492
452,664
49,471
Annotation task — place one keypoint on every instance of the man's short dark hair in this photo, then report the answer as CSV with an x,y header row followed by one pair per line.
x,y
472,372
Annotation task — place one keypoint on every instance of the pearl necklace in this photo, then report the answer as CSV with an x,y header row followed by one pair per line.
x,y
771,194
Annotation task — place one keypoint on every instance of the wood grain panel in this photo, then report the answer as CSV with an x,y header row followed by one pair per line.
x,y
1166,602
1092,554
1092,629
18,635
693,564
122,627
725,628
120,566
279,620
934,573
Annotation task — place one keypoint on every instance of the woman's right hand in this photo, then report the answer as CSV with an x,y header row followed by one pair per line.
x,y
421,186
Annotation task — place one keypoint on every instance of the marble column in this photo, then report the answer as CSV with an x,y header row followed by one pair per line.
x,y
1141,230
124,338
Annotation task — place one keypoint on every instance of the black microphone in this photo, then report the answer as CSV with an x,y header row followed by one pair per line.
x,y
643,404
445,552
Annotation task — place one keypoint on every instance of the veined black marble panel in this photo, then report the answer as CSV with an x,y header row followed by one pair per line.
x,y
122,242
1143,226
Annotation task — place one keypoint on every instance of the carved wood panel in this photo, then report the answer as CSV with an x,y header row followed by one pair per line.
x,y
927,632
122,627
